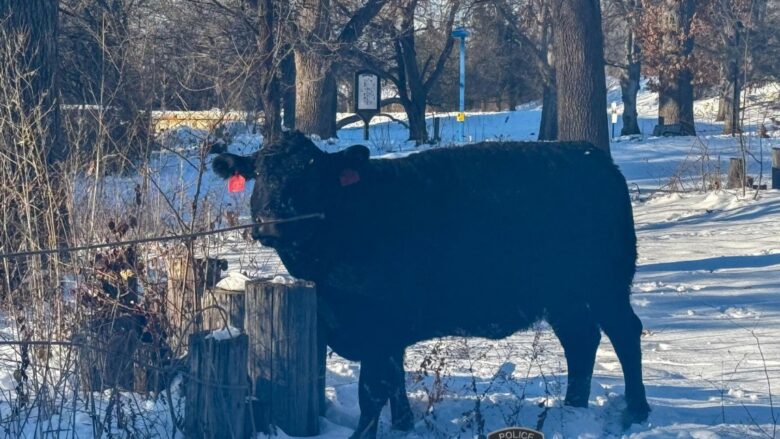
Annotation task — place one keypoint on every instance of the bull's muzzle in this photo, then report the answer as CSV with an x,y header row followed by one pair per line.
x,y
264,232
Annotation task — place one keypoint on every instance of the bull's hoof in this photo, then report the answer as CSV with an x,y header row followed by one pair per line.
x,y
362,435
404,424
635,414
365,430
576,402
577,392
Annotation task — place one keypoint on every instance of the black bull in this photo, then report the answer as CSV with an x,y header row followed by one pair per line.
x,y
481,240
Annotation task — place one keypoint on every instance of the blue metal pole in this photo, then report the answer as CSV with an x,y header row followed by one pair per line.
x,y
463,85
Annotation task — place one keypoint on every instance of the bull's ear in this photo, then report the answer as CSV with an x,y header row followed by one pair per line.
x,y
350,163
356,156
227,165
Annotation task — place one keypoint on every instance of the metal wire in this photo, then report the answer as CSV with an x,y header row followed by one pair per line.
x,y
155,239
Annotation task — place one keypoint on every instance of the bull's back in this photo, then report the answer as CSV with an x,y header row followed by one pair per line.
x,y
490,233
538,202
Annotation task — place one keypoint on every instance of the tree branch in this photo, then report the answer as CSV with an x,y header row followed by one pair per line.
x,y
354,27
445,53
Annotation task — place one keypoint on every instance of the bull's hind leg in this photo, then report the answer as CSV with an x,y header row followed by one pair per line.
x,y
624,330
579,334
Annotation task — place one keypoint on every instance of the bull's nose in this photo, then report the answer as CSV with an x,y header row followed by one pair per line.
x,y
256,232
262,231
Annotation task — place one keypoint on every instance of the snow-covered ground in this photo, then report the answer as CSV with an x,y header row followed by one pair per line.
x,y
707,291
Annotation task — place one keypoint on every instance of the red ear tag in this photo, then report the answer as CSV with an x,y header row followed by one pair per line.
x,y
349,176
236,183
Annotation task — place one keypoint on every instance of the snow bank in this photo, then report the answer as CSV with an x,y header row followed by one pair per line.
x,y
235,281
224,333
283,279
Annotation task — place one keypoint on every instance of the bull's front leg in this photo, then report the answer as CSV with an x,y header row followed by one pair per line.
x,y
400,409
381,378
373,392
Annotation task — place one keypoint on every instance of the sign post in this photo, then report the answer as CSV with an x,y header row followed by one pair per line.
x,y
614,118
367,97
462,33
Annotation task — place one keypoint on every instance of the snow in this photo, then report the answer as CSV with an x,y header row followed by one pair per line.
x,y
706,290
223,334
234,281
283,279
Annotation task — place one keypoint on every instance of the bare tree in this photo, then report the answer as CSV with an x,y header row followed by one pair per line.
x,y
30,125
536,37
36,21
628,14
410,70
668,46
318,44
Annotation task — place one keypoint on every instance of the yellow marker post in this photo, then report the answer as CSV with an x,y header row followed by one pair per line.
x,y
461,117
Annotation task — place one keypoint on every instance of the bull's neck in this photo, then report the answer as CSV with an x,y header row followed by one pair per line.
x,y
301,264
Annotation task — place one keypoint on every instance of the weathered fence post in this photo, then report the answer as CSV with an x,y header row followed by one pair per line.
x,y
217,387
736,177
221,307
187,280
118,353
776,167
105,354
286,357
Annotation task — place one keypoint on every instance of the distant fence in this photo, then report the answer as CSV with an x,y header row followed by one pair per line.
x,y
204,120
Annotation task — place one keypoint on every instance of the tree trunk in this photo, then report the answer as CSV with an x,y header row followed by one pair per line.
x,y
315,100
730,101
721,116
731,91
675,103
270,95
580,79
415,112
30,101
512,96
39,19
629,86
288,90
548,127
629,82
675,97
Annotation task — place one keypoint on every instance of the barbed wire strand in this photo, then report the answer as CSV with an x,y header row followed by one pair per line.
x,y
155,239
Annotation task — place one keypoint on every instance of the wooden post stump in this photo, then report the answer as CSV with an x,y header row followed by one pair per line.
x,y
217,387
736,177
286,357
187,282
230,311
776,168
106,350
149,359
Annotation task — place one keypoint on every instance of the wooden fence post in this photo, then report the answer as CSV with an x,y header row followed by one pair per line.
x,y
106,350
736,177
217,387
776,167
187,282
230,311
286,357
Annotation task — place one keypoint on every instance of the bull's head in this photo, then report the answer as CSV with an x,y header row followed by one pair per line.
x,y
293,178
